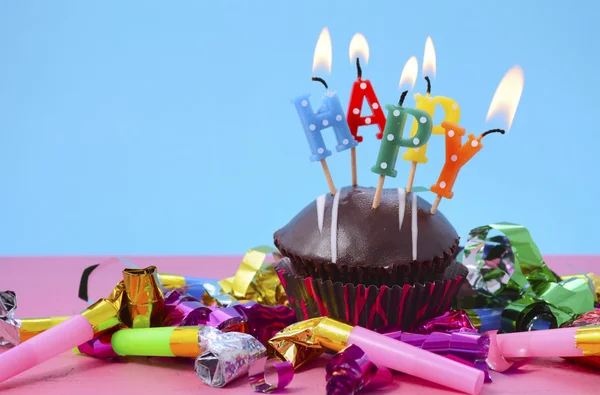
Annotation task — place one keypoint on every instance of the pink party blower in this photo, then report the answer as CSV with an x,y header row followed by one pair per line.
x,y
77,330
565,342
381,350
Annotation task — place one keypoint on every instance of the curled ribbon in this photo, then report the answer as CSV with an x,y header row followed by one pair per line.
x,y
256,279
267,375
350,370
507,270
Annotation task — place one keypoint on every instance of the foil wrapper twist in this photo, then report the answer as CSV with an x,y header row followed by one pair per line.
x,y
225,356
9,326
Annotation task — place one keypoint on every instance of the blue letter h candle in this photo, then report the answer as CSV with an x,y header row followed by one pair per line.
x,y
330,114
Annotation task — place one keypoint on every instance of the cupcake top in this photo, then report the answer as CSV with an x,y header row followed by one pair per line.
x,y
345,230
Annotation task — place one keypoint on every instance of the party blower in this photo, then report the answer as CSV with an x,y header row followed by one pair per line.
x,y
220,357
136,302
564,342
326,333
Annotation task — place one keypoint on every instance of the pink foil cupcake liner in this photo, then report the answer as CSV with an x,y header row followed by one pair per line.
x,y
379,308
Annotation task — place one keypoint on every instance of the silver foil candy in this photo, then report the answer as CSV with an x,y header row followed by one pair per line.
x,y
225,356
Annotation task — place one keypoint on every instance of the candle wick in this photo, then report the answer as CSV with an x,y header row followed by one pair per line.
x,y
402,97
358,68
501,131
321,80
428,85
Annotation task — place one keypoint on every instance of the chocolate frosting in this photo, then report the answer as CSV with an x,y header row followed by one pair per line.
x,y
368,237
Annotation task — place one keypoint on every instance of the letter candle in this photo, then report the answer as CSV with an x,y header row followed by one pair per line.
x,y
429,104
456,157
330,114
505,100
394,129
361,90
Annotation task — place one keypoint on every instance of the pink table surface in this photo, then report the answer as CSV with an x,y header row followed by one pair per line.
x,y
49,286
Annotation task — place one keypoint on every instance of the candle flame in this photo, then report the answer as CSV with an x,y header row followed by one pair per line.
x,y
359,48
507,96
409,74
322,57
429,59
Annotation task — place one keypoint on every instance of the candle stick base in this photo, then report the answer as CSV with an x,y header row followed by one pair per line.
x,y
435,205
411,177
378,191
353,161
328,176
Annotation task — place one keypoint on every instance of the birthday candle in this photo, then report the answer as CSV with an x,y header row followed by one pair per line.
x,y
392,137
394,130
429,104
505,100
361,90
329,115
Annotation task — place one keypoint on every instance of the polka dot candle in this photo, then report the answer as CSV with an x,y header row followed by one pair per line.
x,y
329,115
429,104
392,137
361,90
456,157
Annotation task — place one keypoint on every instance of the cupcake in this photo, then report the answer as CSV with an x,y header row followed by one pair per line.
x,y
387,268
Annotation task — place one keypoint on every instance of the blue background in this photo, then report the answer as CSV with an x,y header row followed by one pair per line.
x,y
166,128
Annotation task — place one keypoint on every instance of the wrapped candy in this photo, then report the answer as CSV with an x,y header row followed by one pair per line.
x,y
225,356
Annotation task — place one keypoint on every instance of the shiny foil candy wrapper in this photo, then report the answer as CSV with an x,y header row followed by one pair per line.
x,y
226,356
9,326
379,308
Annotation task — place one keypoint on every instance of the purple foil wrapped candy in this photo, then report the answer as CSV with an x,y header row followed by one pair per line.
x,y
350,370
469,348
451,321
